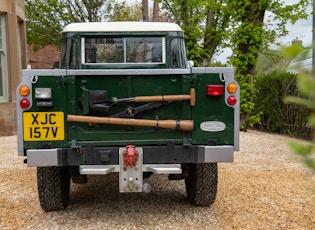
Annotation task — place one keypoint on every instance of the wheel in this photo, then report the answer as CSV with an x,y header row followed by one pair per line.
x,y
53,187
201,183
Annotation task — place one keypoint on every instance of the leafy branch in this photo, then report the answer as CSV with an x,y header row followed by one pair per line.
x,y
306,85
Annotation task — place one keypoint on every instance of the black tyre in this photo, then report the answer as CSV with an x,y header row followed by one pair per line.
x,y
201,183
53,187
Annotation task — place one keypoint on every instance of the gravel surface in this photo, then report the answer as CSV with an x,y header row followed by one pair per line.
x,y
265,188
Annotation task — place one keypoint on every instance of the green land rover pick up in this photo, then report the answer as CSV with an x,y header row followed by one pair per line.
x,y
126,100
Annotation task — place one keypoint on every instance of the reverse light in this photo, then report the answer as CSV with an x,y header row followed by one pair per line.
x,y
232,87
43,93
24,90
25,103
231,100
215,90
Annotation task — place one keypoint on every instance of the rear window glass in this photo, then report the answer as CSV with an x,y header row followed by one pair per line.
x,y
96,50
178,53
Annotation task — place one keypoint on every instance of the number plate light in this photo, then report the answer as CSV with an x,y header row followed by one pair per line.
x,y
43,93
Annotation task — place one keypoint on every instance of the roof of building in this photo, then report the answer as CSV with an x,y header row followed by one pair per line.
x,y
121,27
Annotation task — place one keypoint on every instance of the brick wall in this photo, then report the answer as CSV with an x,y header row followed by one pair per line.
x,y
8,119
13,12
43,58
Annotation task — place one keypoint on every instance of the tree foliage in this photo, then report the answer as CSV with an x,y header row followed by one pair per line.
x,y
204,23
240,25
45,19
124,12
251,35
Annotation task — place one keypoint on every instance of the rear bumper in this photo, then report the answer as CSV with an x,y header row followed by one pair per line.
x,y
90,155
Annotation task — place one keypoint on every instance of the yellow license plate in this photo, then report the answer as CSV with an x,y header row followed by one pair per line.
x,y
43,126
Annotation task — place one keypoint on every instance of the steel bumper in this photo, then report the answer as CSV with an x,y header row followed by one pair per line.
x,y
109,156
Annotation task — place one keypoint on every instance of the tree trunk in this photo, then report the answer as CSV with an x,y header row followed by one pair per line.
x,y
248,48
209,41
156,11
145,11
252,46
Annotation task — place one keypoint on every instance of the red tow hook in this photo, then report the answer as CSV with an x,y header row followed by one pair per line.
x,y
130,156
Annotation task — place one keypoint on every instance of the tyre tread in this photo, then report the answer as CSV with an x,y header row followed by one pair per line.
x,y
53,187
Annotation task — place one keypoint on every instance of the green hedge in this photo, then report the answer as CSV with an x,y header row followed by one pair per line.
x,y
279,117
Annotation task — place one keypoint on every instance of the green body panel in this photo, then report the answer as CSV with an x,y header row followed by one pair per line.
x,y
68,89
131,86
211,108
59,96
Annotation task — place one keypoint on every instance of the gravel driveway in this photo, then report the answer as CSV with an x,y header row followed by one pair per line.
x,y
265,188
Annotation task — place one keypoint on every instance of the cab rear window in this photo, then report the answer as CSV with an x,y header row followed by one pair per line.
x,y
102,50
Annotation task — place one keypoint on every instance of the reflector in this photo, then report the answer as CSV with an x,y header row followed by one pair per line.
x,y
25,103
231,100
232,87
24,90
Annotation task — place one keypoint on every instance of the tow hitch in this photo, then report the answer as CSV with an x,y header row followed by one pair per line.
x,y
131,170
131,175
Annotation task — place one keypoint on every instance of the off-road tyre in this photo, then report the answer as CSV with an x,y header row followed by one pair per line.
x,y
201,183
53,187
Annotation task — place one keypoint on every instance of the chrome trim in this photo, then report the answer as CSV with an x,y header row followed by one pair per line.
x,y
163,168
98,169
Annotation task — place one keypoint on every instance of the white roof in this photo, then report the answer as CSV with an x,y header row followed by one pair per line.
x,y
121,27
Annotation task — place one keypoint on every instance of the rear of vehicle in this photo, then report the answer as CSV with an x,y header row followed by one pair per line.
x,y
125,101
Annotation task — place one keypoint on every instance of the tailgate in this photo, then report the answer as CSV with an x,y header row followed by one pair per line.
x,y
109,94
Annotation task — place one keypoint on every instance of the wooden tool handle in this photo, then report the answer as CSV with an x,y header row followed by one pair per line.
x,y
184,125
162,98
191,98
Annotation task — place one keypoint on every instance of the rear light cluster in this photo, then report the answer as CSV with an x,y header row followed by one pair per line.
x,y
232,89
218,90
24,91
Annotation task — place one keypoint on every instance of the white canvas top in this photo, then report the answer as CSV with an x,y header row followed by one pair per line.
x,y
121,27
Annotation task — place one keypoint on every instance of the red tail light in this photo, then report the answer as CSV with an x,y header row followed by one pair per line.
x,y
215,90
231,100
24,103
